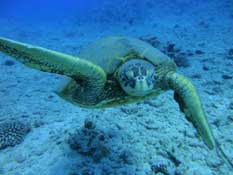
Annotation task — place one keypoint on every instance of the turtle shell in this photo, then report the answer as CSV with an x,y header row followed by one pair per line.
x,y
109,53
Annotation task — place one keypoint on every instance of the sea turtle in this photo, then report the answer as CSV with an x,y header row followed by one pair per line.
x,y
114,71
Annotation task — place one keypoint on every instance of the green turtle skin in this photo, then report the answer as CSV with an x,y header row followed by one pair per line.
x,y
94,76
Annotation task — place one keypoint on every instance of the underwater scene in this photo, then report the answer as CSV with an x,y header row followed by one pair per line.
x,y
124,87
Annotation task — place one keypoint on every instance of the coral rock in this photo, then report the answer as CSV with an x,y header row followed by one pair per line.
x,y
90,141
12,133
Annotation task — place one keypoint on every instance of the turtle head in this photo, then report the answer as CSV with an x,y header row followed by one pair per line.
x,y
136,77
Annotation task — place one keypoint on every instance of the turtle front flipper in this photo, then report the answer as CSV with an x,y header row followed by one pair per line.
x,y
55,62
189,103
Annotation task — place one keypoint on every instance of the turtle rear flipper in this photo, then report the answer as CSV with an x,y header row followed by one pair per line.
x,y
55,62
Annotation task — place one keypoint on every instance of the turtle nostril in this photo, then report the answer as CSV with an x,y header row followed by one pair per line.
x,y
140,77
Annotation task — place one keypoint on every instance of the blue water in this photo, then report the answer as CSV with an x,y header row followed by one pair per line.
x,y
145,138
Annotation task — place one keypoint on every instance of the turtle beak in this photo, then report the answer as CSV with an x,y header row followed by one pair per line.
x,y
143,86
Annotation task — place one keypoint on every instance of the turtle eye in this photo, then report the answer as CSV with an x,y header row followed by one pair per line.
x,y
136,77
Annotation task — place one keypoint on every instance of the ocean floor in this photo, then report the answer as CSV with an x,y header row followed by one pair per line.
x,y
146,138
